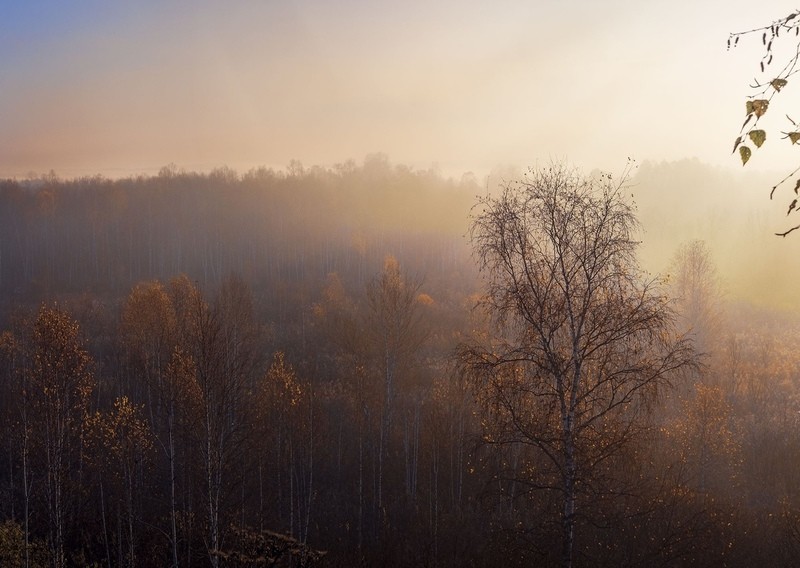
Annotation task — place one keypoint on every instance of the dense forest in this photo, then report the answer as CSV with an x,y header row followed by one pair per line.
x,y
278,368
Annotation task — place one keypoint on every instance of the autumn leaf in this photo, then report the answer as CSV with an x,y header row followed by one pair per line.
x,y
745,153
749,107
760,107
778,84
794,137
758,137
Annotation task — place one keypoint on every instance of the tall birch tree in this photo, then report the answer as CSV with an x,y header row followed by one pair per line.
x,y
581,338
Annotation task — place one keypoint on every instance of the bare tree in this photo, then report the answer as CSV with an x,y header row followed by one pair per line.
x,y
581,342
220,340
394,327
338,317
698,292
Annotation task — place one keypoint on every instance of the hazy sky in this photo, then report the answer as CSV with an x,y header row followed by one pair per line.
x,y
127,87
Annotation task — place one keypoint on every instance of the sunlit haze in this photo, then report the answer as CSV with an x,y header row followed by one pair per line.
x,y
119,88
425,283
123,89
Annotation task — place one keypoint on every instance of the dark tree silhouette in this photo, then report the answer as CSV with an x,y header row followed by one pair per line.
x,y
581,340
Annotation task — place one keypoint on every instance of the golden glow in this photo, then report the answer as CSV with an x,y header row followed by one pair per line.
x,y
462,85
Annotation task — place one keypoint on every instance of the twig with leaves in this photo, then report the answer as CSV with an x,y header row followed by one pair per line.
x,y
758,103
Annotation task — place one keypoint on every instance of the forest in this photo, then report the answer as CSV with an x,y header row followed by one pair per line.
x,y
364,365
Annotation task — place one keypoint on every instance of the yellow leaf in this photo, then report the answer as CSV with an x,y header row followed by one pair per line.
x,y
794,137
745,153
758,137
749,107
760,107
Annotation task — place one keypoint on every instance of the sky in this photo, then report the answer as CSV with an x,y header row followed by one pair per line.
x,y
121,88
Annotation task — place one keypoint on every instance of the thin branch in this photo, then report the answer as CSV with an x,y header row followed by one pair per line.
x,y
787,232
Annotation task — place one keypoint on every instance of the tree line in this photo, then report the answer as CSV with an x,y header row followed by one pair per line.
x,y
277,229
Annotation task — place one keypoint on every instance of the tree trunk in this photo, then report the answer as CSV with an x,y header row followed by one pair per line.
x,y
310,496
129,499
210,475
172,496
26,486
105,528
568,520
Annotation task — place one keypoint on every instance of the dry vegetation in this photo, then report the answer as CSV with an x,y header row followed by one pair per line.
x,y
249,370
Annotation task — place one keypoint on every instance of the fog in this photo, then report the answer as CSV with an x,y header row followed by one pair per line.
x,y
395,284
122,90
730,211
310,293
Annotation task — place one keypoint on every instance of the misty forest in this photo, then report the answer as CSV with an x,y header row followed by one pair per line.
x,y
373,365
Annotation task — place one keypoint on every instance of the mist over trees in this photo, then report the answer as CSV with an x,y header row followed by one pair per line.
x,y
313,367
99,235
